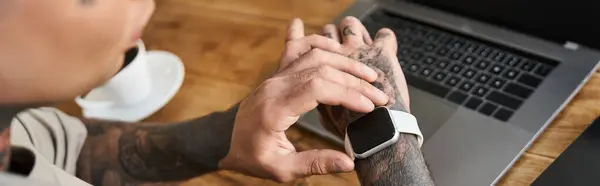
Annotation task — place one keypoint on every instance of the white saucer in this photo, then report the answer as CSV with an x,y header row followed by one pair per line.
x,y
167,72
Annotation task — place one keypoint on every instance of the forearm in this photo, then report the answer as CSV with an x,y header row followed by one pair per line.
x,y
119,154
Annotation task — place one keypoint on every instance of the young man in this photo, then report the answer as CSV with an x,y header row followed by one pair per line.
x,y
54,50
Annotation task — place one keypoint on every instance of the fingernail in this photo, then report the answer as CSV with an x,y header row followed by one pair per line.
x,y
342,166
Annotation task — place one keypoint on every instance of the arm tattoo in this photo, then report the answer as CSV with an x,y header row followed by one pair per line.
x,y
347,31
133,154
399,164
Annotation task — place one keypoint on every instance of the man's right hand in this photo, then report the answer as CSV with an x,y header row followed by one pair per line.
x,y
308,75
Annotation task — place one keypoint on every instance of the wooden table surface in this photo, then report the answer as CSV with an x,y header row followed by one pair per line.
x,y
230,46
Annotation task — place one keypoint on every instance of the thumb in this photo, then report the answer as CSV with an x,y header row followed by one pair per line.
x,y
320,161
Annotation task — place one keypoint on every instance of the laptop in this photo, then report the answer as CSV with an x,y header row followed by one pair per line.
x,y
485,76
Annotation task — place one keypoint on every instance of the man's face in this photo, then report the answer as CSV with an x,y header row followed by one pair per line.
x,y
52,50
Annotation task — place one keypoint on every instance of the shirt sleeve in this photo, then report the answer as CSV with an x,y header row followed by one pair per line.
x,y
55,139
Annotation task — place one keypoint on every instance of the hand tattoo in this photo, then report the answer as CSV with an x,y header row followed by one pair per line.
x,y
399,164
347,31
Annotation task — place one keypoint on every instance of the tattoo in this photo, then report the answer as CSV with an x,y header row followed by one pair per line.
x,y
399,164
132,154
329,35
347,31
381,35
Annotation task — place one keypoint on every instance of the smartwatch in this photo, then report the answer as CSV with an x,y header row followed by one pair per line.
x,y
378,130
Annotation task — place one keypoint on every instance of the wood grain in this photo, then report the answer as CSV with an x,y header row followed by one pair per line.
x,y
230,46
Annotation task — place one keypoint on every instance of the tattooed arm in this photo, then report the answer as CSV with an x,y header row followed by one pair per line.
x,y
399,164
132,154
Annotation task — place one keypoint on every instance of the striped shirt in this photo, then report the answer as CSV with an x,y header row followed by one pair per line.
x,y
55,140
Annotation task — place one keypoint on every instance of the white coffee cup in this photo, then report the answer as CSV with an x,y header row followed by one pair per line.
x,y
129,86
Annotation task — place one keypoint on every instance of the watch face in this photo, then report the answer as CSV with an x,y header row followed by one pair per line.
x,y
370,130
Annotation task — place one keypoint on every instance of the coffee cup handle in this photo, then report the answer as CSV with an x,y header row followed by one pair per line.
x,y
93,104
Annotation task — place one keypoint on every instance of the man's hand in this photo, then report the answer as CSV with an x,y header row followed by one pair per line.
x,y
403,162
307,76
380,55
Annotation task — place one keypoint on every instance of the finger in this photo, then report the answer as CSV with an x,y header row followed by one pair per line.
x,y
295,30
296,48
318,162
377,96
352,31
332,32
307,96
317,57
386,39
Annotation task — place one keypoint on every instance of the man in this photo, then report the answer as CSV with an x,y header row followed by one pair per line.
x,y
54,50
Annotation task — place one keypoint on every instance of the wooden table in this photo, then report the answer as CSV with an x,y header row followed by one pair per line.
x,y
230,46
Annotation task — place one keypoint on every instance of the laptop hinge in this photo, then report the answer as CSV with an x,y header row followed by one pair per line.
x,y
571,45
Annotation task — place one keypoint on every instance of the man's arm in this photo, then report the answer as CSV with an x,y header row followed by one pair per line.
x,y
130,154
402,163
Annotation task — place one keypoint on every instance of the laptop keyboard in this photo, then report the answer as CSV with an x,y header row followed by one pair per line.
x,y
479,75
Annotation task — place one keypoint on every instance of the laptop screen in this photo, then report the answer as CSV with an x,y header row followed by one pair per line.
x,y
554,20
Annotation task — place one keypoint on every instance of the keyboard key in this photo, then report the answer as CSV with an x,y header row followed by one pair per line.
x,y
427,86
473,103
457,97
439,76
426,72
469,73
432,36
483,64
469,60
403,40
518,90
466,86
543,70
443,64
456,44
488,109
503,114
499,56
513,61
511,74
496,69
456,68
529,80
452,81
471,48
414,67
482,78
503,99
480,91
417,56
429,60
404,52
528,66
456,55
429,47
444,40
418,44
484,52
497,83
442,51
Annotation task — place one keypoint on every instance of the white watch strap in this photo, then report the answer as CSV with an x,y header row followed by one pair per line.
x,y
407,123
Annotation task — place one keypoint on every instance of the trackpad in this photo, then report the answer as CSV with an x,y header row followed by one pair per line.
x,y
431,111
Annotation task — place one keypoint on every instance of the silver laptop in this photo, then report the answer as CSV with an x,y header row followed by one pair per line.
x,y
486,76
